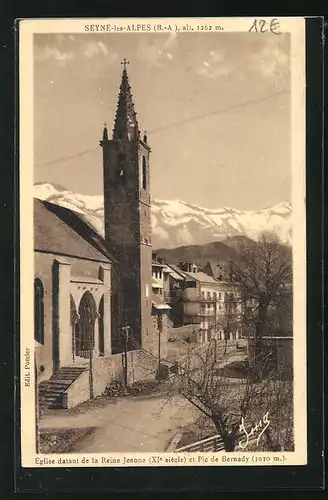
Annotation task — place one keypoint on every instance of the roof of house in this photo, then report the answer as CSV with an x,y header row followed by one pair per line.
x,y
215,268
158,264
177,269
203,277
199,276
61,230
174,271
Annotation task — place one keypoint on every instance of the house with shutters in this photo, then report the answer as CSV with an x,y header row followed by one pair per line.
x,y
211,303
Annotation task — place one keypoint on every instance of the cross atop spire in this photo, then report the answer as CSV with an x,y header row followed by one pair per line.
x,y
125,62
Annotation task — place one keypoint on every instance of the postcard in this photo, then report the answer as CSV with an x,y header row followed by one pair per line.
x,y
163,242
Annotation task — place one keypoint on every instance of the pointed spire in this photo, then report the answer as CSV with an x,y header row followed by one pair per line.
x,y
126,125
105,132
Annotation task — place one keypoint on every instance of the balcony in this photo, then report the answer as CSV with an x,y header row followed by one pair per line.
x,y
210,312
201,300
173,296
157,282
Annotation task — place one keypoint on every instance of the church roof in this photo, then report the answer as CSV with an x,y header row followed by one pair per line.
x,y
126,125
62,231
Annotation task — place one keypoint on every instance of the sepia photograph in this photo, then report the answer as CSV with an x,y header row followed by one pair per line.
x,y
163,206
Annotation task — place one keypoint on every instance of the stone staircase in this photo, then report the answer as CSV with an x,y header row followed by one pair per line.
x,y
51,391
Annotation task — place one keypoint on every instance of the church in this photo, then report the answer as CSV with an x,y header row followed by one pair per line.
x,y
93,298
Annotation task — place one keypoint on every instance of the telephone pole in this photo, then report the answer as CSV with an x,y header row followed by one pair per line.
x,y
160,329
91,368
125,333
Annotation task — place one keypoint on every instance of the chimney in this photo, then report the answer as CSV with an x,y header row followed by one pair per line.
x,y
194,268
188,267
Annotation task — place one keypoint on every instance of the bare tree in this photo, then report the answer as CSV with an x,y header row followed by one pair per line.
x,y
263,274
280,313
228,401
279,436
230,319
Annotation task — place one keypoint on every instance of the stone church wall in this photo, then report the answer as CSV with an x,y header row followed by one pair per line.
x,y
43,265
43,270
141,366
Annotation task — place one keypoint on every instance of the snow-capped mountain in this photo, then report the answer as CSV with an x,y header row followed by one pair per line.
x,y
177,223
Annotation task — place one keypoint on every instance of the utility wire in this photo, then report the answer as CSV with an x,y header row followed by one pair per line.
x,y
218,111
66,158
175,124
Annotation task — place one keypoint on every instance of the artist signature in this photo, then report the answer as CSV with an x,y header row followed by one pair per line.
x,y
261,426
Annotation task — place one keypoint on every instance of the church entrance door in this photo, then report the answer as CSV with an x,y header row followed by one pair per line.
x,y
84,341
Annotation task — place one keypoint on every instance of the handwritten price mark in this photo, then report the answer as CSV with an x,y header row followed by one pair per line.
x,y
262,26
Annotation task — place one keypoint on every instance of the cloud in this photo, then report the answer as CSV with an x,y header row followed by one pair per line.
x,y
209,71
185,154
214,66
92,49
156,51
170,40
271,61
266,58
48,53
66,48
217,57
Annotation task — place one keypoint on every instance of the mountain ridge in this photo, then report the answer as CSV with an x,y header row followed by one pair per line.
x,y
176,223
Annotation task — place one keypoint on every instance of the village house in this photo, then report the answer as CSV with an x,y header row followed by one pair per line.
x,y
210,303
169,282
162,321
277,338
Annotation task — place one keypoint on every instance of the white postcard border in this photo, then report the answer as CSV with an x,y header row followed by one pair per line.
x,y
27,28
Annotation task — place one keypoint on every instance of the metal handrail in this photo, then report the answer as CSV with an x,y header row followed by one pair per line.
x,y
214,441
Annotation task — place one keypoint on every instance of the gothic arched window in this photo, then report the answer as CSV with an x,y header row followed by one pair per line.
x,y
144,173
38,311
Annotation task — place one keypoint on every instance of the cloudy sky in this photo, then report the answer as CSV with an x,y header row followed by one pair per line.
x,y
216,108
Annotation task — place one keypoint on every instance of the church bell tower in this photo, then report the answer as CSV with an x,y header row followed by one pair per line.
x,y
128,222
